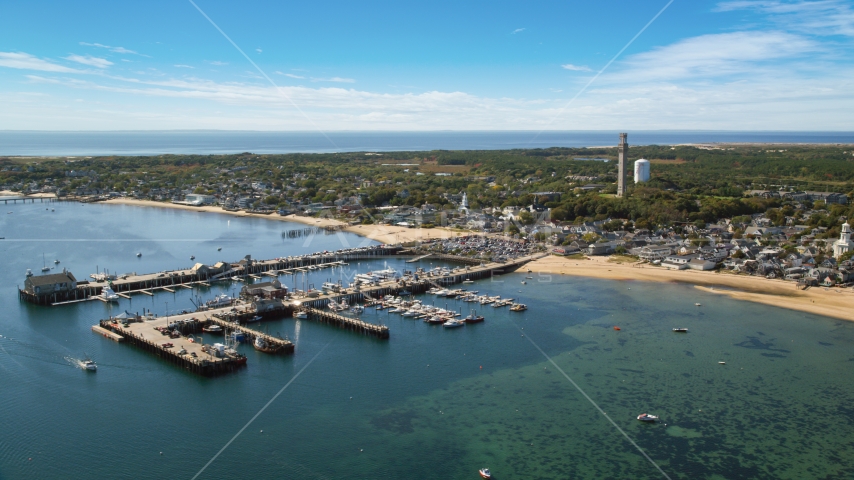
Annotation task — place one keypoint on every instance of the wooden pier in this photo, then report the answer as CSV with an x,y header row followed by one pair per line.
x,y
353,324
169,280
280,345
145,336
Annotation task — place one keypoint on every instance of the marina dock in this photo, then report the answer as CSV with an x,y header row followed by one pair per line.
x,y
349,323
180,339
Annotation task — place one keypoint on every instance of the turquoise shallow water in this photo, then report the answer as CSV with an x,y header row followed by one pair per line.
x,y
428,403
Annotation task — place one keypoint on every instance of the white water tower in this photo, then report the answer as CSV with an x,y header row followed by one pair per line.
x,y
641,170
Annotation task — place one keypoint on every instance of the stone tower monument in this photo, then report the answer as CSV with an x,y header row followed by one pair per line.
x,y
622,160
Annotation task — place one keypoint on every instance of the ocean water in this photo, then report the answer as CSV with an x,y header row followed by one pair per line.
x,y
428,403
38,143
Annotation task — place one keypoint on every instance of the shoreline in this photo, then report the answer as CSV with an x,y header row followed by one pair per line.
x,y
381,233
831,302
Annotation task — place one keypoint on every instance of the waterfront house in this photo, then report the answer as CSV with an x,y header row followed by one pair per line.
x,y
268,290
50,284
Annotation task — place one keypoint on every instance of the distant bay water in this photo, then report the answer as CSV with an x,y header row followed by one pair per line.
x,y
43,143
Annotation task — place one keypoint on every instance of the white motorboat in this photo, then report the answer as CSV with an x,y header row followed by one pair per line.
x,y
301,314
138,254
645,417
485,473
467,281
109,295
454,323
90,365
213,328
357,309
256,318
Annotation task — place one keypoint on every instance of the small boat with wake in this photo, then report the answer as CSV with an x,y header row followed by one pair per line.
x,y
645,417
485,473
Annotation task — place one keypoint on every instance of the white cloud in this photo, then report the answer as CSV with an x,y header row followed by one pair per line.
x,y
182,66
575,68
89,60
218,63
332,79
112,49
518,30
772,102
291,75
715,56
26,61
822,17
258,50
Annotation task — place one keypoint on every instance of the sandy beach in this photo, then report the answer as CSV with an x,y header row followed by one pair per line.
x,y
380,233
9,193
831,302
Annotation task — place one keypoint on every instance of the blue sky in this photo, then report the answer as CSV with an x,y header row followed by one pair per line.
x,y
330,65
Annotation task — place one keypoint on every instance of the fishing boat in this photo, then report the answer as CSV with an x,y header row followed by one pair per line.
x,y
301,314
434,319
680,330
645,417
238,337
109,295
453,323
485,473
212,328
262,345
221,300
473,317
518,307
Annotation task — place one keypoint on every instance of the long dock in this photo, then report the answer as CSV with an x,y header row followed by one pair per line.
x,y
282,345
203,274
354,324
